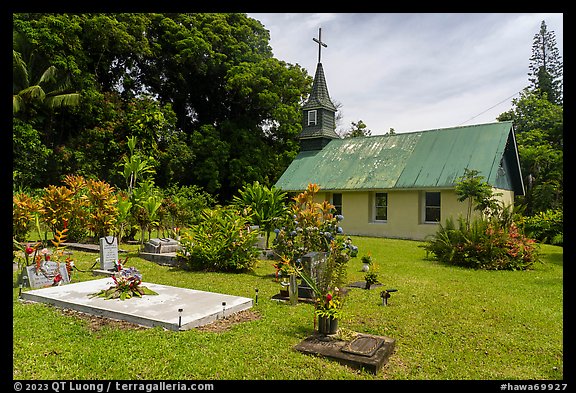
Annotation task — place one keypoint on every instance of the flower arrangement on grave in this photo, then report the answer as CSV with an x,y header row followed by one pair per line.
x,y
366,262
313,227
47,263
329,306
370,277
127,284
283,268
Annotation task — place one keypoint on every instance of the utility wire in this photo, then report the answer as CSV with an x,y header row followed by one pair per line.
x,y
492,107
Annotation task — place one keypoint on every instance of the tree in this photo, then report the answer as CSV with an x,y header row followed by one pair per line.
x,y
30,86
135,166
358,129
472,187
202,85
539,132
546,68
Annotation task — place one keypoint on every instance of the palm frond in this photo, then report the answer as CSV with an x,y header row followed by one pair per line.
x,y
48,76
57,101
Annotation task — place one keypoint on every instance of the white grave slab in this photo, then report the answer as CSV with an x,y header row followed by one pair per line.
x,y
198,307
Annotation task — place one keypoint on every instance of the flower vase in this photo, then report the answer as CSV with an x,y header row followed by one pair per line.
x,y
293,289
327,325
284,287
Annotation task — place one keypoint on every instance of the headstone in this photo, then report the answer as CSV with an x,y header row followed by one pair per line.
x,y
108,252
313,263
46,276
161,246
261,240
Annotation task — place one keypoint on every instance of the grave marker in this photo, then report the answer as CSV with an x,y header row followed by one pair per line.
x,y
161,246
313,263
46,276
108,252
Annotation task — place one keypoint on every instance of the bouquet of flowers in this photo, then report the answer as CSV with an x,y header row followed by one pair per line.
x,y
330,305
127,284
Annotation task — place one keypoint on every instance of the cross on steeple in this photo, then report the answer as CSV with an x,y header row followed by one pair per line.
x,y
320,43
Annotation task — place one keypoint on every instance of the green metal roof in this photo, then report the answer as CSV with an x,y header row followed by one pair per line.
x,y
422,159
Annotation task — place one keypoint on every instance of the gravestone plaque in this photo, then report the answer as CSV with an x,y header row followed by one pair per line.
x,y
364,345
108,252
46,275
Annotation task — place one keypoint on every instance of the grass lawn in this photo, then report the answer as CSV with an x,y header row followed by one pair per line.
x,y
449,323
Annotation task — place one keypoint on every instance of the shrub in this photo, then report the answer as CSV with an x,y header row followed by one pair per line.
x,y
267,206
486,244
221,241
545,227
24,209
183,205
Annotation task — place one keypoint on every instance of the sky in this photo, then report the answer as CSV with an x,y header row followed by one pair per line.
x,y
414,71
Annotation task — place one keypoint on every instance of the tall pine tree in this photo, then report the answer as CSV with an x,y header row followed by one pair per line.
x,y
546,67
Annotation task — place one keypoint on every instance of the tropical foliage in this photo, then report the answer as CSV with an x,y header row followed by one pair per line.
x,y
491,241
486,244
313,227
221,241
267,206
545,227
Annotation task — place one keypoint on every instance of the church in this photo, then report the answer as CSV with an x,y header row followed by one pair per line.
x,y
397,185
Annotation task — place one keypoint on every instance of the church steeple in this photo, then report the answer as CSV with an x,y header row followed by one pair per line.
x,y
319,113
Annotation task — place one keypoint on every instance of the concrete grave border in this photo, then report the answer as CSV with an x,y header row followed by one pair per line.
x,y
198,307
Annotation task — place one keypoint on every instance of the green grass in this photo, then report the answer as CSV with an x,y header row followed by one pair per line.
x,y
449,323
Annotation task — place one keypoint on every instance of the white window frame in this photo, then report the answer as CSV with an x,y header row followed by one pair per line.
x,y
425,207
312,117
375,207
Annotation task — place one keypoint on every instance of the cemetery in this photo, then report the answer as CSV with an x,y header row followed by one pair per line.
x,y
146,248
316,308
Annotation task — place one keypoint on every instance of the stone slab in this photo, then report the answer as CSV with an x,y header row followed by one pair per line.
x,y
87,247
366,351
165,259
362,284
198,307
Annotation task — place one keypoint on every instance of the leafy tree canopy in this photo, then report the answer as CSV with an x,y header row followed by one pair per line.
x,y
202,93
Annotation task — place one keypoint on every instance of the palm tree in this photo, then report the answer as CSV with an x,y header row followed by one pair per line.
x,y
48,89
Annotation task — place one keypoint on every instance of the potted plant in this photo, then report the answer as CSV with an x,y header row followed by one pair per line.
x,y
366,262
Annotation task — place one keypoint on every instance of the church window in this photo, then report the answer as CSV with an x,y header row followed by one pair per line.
x,y
312,117
337,202
381,206
431,207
